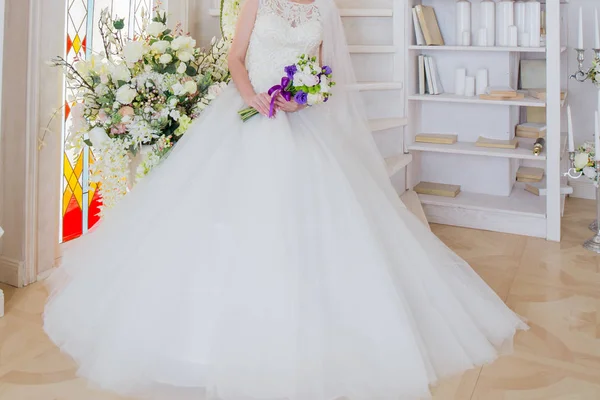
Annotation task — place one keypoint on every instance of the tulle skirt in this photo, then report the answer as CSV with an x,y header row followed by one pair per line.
x,y
261,261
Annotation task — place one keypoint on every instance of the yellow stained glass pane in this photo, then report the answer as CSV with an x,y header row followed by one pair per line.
x,y
79,195
66,199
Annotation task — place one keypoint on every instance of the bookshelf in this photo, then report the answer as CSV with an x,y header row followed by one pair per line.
x,y
490,199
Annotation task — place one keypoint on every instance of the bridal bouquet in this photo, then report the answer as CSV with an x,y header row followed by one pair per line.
x,y
584,161
306,82
142,92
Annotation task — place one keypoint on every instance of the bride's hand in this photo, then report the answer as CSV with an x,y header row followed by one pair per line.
x,y
261,102
287,106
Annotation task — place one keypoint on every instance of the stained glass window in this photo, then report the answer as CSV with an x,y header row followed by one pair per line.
x,y
81,199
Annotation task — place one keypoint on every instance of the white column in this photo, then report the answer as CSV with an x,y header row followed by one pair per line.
x,y
553,114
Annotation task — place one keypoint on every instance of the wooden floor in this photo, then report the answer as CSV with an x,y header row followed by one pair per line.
x,y
555,286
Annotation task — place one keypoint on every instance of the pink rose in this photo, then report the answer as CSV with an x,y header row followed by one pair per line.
x,y
126,111
118,129
102,117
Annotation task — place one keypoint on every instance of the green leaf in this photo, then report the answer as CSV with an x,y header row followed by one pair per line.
x,y
119,24
170,69
121,83
165,33
191,71
88,142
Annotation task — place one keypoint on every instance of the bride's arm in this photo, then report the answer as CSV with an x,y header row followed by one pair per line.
x,y
237,59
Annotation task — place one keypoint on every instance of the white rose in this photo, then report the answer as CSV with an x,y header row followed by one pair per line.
x,y
184,56
165,59
313,98
310,80
215,90
98,136
133,51
581,160
183,43
97,63
126,94
178,89
82,68
190,87
182,68
161,46
590,172
299,79
120,73
175,114
156,28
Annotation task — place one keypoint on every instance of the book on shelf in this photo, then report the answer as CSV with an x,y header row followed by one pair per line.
x,y
422,83
530,174
429,25
541,94
502,93
497,144
531,130
537,188
418,31
436,138
432,82
437,189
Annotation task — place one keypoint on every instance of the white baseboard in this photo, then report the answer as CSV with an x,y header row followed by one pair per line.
x,y
487,220
583,188
1,303
10,271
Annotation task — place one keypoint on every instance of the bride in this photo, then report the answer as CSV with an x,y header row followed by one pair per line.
x,y
272,259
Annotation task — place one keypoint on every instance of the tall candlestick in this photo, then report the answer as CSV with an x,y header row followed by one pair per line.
x,y
570,130
597,29
596,138
580,36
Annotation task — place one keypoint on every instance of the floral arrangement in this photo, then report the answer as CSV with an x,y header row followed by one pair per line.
x,y
305,81
230,10
594,72
143,92
584,161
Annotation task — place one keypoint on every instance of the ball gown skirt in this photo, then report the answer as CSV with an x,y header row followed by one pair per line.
x,y
260,261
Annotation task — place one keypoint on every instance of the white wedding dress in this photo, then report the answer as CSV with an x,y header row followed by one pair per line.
x,y
263,261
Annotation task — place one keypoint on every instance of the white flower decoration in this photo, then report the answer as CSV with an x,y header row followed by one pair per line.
x,y
126,94
581,160
156,28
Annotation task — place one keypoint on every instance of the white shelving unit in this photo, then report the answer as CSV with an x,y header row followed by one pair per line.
x,y
490,199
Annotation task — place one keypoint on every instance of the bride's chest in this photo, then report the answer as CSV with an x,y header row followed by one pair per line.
x,y
275,31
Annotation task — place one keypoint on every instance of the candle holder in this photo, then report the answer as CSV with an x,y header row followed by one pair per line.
x,y
593,244
572,171
582,75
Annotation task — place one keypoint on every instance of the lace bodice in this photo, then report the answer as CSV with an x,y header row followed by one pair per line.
x,y
283,30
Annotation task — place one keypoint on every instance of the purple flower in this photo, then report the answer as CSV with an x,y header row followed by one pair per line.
x,y
290,70
301,97
327,70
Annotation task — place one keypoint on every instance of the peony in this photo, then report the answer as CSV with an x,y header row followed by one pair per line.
x,y
120,73
98,136
126,94
184,56
165,59
590,172
190,87
161,46
182,68
183,43
581,160
215,90
156,28
134,51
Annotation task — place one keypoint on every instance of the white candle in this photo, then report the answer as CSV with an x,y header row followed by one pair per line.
x,y
597,138
597,28
570,131
580,36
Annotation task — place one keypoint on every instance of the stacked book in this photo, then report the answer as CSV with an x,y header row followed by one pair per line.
x,y
502,94
429,76
427,29
531,130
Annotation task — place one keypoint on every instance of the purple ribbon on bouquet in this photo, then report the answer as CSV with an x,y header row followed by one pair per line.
x,y
279,89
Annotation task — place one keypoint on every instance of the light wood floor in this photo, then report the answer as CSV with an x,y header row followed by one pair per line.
x,y
555,286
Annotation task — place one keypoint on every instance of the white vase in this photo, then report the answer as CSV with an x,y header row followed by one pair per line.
x,y
135,161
